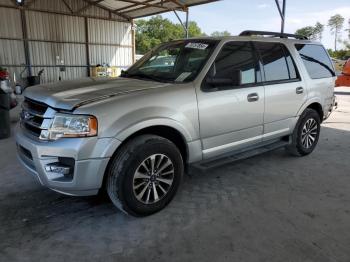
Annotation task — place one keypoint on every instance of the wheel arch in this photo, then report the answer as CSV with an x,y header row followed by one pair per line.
x,y
314,104
168,132
165,131
318,108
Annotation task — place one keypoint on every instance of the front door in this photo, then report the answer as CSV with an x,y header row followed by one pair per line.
x,y
231,101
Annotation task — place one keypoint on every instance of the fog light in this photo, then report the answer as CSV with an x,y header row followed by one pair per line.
x,y
57,168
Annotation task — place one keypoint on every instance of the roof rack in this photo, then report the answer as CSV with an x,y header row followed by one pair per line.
x,y
274,34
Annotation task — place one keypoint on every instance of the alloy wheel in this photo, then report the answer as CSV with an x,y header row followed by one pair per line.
x,y
153,179
309,133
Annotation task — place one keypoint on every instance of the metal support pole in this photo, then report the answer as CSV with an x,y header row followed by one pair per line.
x,y
87,47
186,25
187,29
25,41
284,15
133,36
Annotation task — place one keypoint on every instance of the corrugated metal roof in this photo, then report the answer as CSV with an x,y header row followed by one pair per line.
x,y
123,10
130,9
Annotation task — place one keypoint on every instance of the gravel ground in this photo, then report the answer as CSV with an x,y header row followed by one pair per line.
x,y
272,207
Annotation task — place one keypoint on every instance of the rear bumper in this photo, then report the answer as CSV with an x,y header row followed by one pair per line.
x,y
89,158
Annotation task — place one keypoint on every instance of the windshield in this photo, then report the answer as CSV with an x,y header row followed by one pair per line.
x,y
178,61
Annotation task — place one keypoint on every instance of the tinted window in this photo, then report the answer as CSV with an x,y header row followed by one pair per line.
x,y
316,60
236,62
293,73
274,61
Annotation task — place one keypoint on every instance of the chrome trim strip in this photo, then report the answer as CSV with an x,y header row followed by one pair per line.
x,y
276,132
32,123
222,147
43,118
31,111
213,149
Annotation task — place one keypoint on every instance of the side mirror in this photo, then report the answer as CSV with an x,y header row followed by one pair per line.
x,y
219,82
235,79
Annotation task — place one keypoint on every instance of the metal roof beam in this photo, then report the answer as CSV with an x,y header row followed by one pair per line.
x,y
89,4
165,9
131,6
109,10
68,6
146,4
183,7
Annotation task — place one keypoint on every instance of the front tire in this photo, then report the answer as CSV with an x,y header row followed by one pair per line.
x,y
306,134
144,175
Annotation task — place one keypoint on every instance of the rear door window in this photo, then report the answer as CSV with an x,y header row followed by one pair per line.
x,y
293,72
277,62
316,60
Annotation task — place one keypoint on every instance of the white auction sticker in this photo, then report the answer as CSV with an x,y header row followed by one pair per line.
x,y
200,46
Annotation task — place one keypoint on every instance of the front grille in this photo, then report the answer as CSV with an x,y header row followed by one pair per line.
x,y
33,116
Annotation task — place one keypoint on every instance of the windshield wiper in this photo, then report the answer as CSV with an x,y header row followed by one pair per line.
x,y
142,75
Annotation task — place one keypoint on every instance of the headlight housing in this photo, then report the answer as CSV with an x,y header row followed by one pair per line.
x,y
66,125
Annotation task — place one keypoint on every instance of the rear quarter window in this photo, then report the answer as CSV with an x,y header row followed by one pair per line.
x,y
316,60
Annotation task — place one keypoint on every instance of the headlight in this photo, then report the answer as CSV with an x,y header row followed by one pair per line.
x,y
64,125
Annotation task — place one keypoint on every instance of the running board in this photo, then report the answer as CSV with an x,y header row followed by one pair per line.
x,y
238,155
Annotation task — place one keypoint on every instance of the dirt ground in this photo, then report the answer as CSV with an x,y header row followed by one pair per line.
x,y
272,207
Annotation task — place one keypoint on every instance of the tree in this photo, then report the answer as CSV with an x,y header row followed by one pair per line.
x,y
318,30
336,23
152,32
347,44
307,31
312,32
193,29
219,34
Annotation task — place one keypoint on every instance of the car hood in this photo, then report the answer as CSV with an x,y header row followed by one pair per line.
x,y
69,95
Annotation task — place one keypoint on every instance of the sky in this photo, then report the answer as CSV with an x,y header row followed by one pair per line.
x,y
237,15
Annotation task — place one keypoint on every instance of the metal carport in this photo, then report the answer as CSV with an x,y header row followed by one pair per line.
x,y
36,34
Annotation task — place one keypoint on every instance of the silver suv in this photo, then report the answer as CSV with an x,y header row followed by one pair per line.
x,y
196,102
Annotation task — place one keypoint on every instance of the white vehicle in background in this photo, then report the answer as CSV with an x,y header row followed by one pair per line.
x,y
138,57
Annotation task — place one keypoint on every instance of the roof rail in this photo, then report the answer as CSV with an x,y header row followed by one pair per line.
x,y
274,34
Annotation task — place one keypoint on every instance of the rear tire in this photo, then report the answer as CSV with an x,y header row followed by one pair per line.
x,y
306,134
144,175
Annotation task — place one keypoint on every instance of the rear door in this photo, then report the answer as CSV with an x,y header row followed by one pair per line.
x,y
284,90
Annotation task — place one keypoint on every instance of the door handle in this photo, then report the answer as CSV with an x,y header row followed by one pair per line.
x,y
299,90
253,97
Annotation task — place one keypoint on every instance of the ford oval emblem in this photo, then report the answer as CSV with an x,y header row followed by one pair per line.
x,y
26,115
